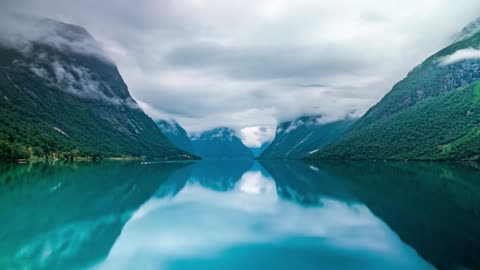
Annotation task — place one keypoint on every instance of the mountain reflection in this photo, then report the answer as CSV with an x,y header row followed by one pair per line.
x,y
256,221
218,175
434,207
240,215
68,216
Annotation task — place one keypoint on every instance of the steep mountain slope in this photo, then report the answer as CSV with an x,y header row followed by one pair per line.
x,y
176,134
296,139
59,96
418,118
257,151
220,143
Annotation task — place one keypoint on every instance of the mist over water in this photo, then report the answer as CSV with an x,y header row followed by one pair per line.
x,y
239,215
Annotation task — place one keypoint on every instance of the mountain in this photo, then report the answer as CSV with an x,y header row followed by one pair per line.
x,y
61,97
257,151
469,30
305,135
220,143
176,134
432,114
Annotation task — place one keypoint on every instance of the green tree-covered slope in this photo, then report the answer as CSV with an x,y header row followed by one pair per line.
x,y
59,97
430,115
446,127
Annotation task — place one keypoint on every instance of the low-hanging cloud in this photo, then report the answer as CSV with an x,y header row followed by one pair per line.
x,y
21,32
76,80
255,136
460,55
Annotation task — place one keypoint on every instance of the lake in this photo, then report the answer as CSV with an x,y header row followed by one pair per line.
x,y
240,215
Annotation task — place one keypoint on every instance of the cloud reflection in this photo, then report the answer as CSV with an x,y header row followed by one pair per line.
x,y
200,224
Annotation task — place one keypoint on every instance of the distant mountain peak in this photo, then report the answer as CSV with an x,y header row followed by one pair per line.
x,y
297,138
288,126
176,134
221,133
220,143
469,30
169,126
68,31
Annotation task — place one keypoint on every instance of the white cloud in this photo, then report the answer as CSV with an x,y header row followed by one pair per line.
x,y
257,135
460,55
152,112
161,232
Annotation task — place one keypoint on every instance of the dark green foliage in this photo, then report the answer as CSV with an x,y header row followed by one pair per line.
x,y
11,151
424,117
296,139
428,79
45,118
446,127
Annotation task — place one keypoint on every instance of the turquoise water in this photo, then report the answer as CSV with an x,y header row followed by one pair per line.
x,y
240,215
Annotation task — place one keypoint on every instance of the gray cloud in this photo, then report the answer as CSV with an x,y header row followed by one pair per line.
x,y
256,63
20,32
250,64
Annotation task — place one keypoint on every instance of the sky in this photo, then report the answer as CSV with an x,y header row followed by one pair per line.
x,y
251,64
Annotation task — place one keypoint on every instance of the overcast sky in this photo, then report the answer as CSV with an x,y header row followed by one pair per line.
x,y
250,64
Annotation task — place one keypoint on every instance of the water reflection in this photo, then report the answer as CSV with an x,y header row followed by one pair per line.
x,y
257,222
433,207
69,216
240,215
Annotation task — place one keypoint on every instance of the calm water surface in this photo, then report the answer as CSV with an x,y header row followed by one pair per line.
x,y
240,215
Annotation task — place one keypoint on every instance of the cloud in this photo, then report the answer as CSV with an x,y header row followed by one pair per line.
x,y
460,55
257,135
76,80
269,62
21,32
256,63
161,231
